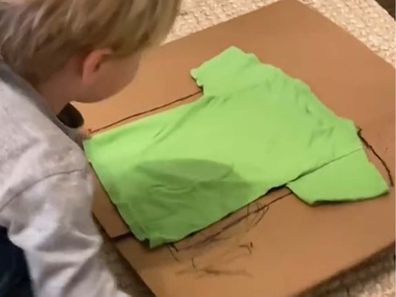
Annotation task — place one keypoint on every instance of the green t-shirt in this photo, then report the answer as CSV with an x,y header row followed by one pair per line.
x,y
255,128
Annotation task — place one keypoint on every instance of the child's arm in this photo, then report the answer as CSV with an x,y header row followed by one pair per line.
x,y
51,221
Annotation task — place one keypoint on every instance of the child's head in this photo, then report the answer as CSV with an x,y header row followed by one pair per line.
x,y
92,45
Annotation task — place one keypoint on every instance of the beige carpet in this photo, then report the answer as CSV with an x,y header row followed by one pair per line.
x,y
366,20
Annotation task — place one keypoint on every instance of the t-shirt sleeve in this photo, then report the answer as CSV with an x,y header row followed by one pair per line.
x,y
350,178
229,71
51,222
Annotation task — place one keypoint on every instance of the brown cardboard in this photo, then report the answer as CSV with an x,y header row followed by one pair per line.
x,y
289,247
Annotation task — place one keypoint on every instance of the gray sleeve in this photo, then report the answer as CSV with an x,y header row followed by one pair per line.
x,y
51,221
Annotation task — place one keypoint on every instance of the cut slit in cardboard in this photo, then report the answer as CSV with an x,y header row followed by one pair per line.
x,y
277,246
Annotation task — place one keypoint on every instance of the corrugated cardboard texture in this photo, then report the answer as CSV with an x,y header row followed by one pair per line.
x,y
283,248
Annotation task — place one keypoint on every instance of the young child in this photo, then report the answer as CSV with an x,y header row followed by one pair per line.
x,y
53,52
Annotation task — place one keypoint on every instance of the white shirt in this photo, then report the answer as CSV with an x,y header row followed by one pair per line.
x,y
46,195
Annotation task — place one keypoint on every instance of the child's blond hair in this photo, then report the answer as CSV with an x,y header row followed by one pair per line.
x,y
37,37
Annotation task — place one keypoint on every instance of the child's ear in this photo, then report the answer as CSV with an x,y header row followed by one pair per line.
x,y
92,64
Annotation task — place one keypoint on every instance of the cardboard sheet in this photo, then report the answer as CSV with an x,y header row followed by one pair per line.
x,y
277,246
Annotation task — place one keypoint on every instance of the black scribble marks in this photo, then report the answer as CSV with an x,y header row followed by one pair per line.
x,y
145,112
203,243
210,270
222,272
260,209
194,266
174,247
248,247
173,251
218,265
372,149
